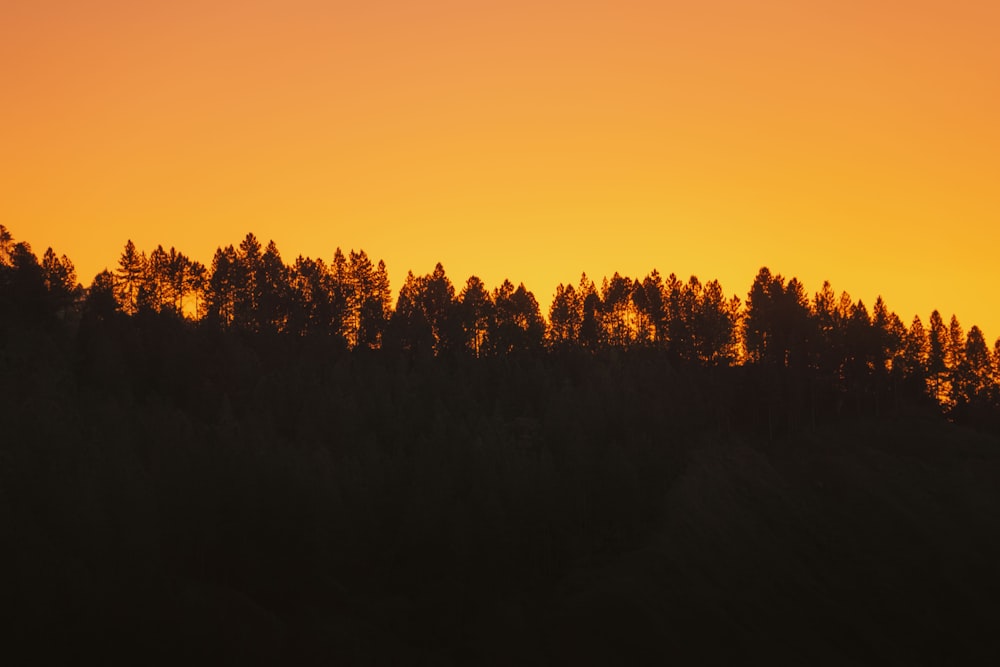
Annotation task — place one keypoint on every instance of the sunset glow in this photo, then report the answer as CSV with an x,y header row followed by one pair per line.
x,y
851,141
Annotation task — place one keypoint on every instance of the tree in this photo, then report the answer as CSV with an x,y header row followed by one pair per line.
x,y
154,290
713,325
676,298
129,278
518,325
438,301
409,328
937,358
476,315
272,291
23,291
100,301
223,286
649,302
889,332
863,354
359,282
310,305
565,317
590,314
618,312
974,374
777,321
955,348
243,278
375,309
915,349
6,246
59,276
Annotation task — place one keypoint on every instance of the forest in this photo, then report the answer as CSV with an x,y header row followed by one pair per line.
x,y
281,463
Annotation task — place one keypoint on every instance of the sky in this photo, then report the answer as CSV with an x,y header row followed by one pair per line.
x,y
854,141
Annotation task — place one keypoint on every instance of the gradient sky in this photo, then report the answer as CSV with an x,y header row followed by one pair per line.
x,y
852,141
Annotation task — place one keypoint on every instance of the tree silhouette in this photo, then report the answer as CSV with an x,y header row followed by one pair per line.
x,y
129,278
273,291
476,314
565,318
777,321
311,310
375,308
518,325
6,246
973,374
937,360
410,329
714,323
650,303
618,311
25,293
590,315
814,353
100,303
59,276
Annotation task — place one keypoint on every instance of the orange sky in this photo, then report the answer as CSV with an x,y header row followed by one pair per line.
x,y
855,141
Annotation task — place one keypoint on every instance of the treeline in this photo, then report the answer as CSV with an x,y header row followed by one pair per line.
x,y
274,463
824,347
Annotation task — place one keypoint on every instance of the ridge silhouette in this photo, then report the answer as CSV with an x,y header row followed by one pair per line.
x,y
273,463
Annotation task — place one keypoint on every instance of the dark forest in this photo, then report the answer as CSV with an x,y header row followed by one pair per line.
x,y
279,463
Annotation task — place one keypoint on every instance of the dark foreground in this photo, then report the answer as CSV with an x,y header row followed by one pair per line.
x,y
194,499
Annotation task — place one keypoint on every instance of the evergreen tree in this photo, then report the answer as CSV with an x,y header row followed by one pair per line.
x,y
59,276
409,327
129,278
24,296
937,359
224,286
100,304
476,314
6,246
590,313
974,374
154,292
375,309
651,304
310,306
618,314
565,317
955,348
714,325
244,277
272,290
518,325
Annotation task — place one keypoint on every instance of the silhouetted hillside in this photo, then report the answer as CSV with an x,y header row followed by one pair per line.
x,y
656,472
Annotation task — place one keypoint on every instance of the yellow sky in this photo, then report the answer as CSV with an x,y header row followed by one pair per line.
x,y
854,141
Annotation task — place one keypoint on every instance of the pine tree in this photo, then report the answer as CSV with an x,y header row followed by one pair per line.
x,y
129,278
653,308
223,286
518,324
375,309
973,377
476,313
618,316
6,246
565,317
60,281
155,287
590,313
937,364
272,290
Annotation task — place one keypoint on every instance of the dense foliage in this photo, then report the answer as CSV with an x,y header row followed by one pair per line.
x,y
269,462
825,346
